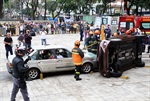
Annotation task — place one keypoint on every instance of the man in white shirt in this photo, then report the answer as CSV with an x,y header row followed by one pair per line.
x,y
21,28
43,36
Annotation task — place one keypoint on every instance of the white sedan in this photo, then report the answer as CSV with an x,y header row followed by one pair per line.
x,y
53,58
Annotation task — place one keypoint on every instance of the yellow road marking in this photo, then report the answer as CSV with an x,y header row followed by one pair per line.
x,y
124,77
147,66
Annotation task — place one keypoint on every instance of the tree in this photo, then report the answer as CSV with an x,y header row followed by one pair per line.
x,y
45,7
33,4
52,6
57,6
138,3
28,10
1,8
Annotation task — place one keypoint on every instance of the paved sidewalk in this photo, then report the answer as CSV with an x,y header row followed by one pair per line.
x,y
93,87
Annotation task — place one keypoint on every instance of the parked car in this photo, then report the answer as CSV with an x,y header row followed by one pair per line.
x,y
53,58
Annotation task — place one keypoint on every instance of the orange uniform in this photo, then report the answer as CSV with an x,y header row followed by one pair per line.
x,y
77,56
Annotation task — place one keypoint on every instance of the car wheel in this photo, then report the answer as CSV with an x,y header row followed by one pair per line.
x,y
86,68
115,74
33,73
140,64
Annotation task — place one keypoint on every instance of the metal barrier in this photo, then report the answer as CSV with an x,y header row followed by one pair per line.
x,y
119,54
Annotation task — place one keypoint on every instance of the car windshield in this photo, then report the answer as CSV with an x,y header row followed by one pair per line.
x,y
26,55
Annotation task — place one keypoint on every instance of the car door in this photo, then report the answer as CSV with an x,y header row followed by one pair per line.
x,y
45,62
65,63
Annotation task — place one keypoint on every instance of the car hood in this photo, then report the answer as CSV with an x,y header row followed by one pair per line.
x,y
11,57
89,55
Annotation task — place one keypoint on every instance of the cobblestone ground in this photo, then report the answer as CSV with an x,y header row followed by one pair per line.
x,y
93,87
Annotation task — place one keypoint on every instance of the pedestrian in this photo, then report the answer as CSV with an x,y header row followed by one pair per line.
x,y
81,32
52,28
75,28
21,28
21,39
107,32
86,31
18,75
27,39
8,41
63,28
49,28
12,29
43,36
77,56
148,48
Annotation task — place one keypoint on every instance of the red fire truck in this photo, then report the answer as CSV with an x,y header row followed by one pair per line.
x,y
125,23
141,22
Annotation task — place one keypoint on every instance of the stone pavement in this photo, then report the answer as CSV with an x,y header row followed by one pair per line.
x,y
93,87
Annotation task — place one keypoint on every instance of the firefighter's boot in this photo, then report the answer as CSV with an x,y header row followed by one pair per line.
x,y
148,49
77,77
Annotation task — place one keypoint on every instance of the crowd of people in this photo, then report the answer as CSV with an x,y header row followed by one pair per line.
x,y
36,27
88,33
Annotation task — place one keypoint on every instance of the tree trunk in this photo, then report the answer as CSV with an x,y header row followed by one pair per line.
x,y
141,11
128,9
136,10
104,9
53,15
45,10
1,8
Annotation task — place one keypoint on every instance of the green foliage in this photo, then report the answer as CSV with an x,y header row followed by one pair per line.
x,y
138,3
52,5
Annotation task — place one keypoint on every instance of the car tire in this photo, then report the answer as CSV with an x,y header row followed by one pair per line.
x,y
140,64
115,74
33,73
86,68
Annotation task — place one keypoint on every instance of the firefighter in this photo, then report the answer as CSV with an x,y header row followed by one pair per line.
x,y
115,34
77,55
91,43
130,31
97,34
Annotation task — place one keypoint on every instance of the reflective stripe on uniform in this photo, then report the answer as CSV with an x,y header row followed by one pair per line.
x,y
79,63
77,72
75,53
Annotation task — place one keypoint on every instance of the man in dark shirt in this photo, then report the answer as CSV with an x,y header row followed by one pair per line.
x,y
21,39
107,32
8,44
27,38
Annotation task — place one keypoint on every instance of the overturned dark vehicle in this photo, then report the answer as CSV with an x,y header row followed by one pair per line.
x,y
119,54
